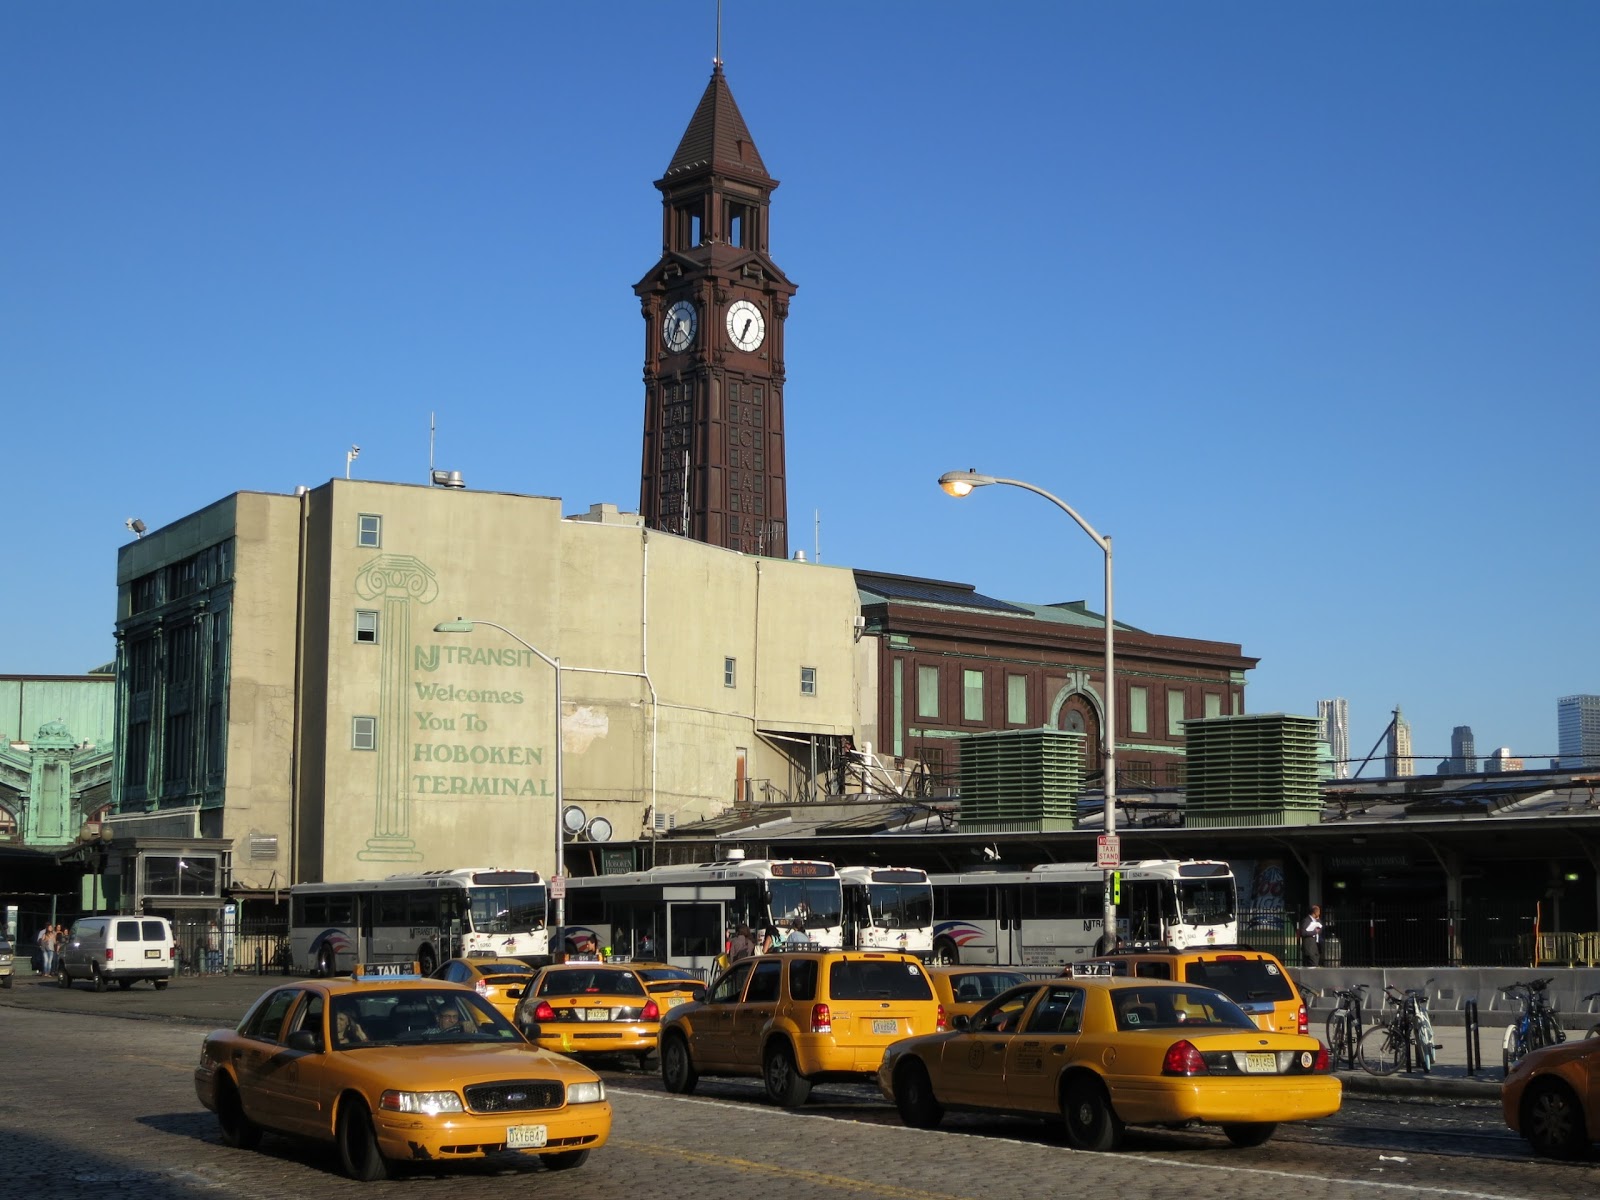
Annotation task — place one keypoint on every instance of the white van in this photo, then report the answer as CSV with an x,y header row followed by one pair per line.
x,y
116,950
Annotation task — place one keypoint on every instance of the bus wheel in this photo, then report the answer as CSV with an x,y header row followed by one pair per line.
x,y
427,961
946,954
325,962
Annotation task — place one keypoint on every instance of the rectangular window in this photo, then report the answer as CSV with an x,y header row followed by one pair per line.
x,y
898,708
1138,710
972,695
1213,705
366,626
808,681
1016,699
364,733
729,673
928,692
369,530
1174,712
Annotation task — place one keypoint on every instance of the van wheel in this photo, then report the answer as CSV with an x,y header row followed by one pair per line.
x,y
62,977
786,1087
238,1130
946,953
677,1070
124,984
161,985
427,960
6,982
358,1144
99,979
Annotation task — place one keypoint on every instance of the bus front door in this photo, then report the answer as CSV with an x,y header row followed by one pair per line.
x,y
695,933
1008,925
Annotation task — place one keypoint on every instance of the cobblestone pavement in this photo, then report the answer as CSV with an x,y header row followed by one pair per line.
x,y
93,1100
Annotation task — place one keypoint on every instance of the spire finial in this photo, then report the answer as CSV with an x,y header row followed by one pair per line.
x,y
716,63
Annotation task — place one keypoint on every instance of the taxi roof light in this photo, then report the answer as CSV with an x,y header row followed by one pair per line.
x,y
387,971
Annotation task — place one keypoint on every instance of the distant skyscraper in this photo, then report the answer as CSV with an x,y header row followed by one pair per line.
x,y
1578,731
1463,755
1397,760
1501,760
1333,722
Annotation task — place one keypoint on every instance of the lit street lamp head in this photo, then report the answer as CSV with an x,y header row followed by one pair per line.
x,y
456,626
961,483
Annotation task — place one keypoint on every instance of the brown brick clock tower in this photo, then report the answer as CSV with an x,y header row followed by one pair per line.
x,y
714,310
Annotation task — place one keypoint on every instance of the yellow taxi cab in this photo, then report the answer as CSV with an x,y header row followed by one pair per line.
x,y
1104,1052
794,1017
668,986
1253,979
500,981
590,1007
392,1068
1552,1098
964,990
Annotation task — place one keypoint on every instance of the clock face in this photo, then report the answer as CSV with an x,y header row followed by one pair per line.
x,y
746,326
677,329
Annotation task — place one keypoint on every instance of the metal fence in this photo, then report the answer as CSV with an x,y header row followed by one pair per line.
x,y
260,945
1418,935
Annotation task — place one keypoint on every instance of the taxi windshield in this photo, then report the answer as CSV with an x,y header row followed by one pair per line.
x,y
1175,1008
412,1017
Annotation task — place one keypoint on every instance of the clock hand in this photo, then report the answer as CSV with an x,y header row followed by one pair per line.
x,y
745,332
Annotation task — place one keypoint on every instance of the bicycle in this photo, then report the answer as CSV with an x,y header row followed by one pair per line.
x,y
1344,1025
1536,1027
1405,1037
1594,1030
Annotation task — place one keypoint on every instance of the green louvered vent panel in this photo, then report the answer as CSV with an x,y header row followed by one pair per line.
x,y
1021,780
1259,769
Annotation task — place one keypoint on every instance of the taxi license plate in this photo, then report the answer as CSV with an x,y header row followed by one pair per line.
x,y
1261,1064
886,1026
594,1014
673,1002
152,954
525,1137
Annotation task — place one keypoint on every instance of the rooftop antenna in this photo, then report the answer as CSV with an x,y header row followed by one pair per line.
x,y
816,536
716,63
430,447
350,456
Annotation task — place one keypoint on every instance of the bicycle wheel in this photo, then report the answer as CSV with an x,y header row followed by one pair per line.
x,y
1422,1045
1510,1051
1383,1049
1341,1045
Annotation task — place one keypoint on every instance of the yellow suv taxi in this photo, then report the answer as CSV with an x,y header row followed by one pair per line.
x,y
1253,979
797,1017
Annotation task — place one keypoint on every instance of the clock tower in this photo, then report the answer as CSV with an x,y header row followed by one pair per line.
x,y
714,308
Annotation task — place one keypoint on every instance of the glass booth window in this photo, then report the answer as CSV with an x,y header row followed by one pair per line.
x,y
180,875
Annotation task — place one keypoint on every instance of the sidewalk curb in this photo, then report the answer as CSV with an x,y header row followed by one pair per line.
x,y
1361,1083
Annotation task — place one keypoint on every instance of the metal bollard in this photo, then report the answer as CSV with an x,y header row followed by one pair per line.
x,y
1470,1032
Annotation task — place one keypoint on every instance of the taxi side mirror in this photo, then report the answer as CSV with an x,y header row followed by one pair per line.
x,y
698,995
961,1022
308,1041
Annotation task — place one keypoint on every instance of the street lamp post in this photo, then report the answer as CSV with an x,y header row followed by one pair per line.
x,y
961,483
461,625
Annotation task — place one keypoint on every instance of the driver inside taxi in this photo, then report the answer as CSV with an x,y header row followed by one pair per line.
x,y
347,1030
449,1020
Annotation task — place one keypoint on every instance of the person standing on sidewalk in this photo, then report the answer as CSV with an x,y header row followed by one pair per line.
x,y
1311,937
47,950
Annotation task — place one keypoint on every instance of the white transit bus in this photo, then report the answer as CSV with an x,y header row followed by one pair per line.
x,y
1054,913
683,915
424,918
888,908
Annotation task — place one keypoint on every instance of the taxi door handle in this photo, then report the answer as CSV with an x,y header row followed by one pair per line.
x,y
1058,1048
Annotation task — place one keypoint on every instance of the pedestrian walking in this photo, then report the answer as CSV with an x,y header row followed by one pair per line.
x,y
1311,938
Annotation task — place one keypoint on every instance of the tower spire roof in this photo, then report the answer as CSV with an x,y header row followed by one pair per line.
x,y
717,140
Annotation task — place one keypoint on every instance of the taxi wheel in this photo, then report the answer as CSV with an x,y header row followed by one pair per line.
x,y
565,1160
1091,1125
677,1069
358,1145
1552,1120
99,979
238,1130
786,1087
913,1096
1255,1133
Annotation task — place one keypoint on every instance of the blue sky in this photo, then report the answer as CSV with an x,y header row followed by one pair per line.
x,y
1298,302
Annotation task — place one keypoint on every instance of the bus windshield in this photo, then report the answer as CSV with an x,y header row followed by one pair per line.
x,y
1206,901
815,901
507,909
901,906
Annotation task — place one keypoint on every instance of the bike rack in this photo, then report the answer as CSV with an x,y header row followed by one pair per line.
x,y
1474,1051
